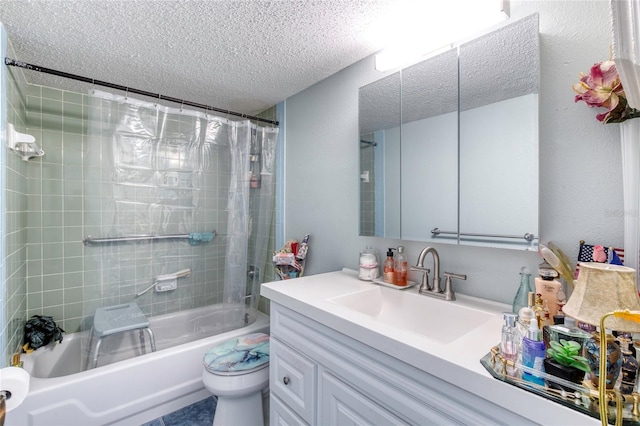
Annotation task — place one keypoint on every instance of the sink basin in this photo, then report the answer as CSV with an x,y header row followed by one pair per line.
x,y
432,318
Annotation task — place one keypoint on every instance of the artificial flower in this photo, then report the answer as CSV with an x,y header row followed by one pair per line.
x,y
602,88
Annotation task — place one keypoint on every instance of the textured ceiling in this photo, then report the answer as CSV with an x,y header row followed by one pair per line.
x,y
499,65
239,55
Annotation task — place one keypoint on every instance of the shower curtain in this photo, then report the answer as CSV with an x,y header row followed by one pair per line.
x,y
155,171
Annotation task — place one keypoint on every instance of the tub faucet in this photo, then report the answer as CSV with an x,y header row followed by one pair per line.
x,y
435,291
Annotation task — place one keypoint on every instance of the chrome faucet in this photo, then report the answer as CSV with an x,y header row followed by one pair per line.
x,y
425,287
435,291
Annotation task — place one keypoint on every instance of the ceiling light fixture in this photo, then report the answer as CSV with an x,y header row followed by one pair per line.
x,y
418,29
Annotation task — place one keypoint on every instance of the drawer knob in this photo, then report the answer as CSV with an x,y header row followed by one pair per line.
x,y
285,380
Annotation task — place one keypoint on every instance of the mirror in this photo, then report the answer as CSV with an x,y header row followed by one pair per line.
x,y
379,111
467,156
429,154
499,82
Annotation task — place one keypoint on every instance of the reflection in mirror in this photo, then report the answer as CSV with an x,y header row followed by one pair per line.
x,y
499,82
379,121
466,169
429,149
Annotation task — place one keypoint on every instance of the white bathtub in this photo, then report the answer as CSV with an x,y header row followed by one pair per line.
x,y
127,392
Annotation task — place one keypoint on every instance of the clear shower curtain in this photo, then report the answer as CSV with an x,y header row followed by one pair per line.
x,y
154,170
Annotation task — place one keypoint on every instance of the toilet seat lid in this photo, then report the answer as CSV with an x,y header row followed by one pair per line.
x,y
241,355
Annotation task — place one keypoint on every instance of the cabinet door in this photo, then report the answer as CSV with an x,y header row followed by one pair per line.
x,y
342,405
292,378
281,415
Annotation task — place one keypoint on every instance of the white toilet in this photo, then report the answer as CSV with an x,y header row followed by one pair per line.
x,y
237,371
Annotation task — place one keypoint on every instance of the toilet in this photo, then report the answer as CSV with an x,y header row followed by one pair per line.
x,y
237,371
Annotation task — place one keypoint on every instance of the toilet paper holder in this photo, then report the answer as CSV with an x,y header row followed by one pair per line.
x,y
14,387
4,395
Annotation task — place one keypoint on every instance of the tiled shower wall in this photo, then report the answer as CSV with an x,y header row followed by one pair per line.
x,y
367,189
55,206
15,232
45,217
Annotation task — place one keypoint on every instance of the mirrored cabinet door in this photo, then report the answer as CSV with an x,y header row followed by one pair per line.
x,y
379,121
499,82
429,149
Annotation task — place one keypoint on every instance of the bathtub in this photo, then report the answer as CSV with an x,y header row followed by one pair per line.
x,y
131,388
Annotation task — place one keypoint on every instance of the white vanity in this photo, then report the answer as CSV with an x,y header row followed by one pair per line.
x,y
345,351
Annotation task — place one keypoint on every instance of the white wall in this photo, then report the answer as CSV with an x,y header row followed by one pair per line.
x,y
580,177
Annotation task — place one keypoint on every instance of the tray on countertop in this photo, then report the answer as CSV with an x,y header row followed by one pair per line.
x,y
397,287
584,397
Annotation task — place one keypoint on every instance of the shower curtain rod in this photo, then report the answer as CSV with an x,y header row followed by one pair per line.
x,y
31,67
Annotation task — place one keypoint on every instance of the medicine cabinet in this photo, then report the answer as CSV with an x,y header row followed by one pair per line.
x,y
449,146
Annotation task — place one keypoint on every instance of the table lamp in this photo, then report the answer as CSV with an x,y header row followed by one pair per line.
x,y
602,288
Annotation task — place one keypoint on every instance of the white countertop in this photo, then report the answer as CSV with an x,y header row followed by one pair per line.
x,y
457,362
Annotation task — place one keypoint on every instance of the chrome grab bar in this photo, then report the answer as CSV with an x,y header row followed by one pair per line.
x,y
90,240
527,237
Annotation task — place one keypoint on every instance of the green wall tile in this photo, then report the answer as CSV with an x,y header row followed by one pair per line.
x,y
34,301
50,93
72,97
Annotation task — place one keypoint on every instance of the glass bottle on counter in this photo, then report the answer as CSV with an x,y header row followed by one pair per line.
x,y
533,354
521,298
509,342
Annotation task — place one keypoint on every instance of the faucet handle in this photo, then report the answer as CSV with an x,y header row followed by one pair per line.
x,y
424,286
449,275
448,287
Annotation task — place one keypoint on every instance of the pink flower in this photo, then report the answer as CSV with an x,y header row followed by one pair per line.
x,y
602,88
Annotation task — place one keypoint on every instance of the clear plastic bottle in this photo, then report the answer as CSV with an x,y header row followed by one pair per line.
x,y
400,268
521,299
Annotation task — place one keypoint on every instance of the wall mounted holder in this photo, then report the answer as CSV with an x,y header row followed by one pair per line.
x,y
22,144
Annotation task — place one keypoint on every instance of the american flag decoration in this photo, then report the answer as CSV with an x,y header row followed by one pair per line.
x,y
585,254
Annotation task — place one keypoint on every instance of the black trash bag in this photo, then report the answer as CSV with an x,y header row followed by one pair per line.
x,y
39,331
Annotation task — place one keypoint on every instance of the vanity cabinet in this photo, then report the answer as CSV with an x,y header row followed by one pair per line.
x,y
319,376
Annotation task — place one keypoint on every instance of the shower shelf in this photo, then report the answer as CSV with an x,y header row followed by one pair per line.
x,y
194,238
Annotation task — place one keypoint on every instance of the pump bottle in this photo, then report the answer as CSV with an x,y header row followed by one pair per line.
x,y
400,268
388,274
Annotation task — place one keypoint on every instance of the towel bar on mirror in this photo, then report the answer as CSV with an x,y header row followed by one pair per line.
x,y
527,236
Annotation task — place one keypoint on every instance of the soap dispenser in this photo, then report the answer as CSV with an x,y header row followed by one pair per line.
x,y
388,267
400,268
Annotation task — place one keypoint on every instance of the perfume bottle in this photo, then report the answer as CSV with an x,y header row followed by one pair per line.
x,y
509,341
629,369
522,295
533,353
525,316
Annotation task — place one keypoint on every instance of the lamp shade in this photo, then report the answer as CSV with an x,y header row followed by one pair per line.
x,y
603,288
